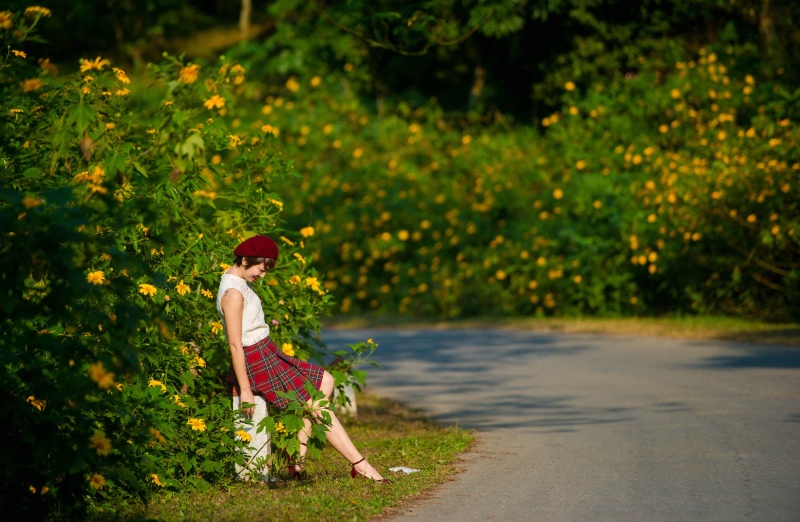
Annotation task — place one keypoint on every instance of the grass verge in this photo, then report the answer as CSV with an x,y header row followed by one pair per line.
x,y
388,433
723,328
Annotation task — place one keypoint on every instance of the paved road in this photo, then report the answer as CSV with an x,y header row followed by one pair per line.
x,y
602,428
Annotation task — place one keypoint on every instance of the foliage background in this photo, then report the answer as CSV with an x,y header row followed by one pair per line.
x,y
446,159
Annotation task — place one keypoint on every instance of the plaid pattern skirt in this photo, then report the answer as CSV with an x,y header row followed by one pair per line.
x,y
269,371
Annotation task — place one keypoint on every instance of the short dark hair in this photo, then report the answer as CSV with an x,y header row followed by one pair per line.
x,y
247,262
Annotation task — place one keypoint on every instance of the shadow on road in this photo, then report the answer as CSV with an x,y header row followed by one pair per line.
x,y
450,366
753,356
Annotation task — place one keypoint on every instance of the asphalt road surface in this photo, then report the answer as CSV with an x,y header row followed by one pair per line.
x,y
578,427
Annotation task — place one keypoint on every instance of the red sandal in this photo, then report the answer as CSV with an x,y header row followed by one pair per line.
x,y
356,474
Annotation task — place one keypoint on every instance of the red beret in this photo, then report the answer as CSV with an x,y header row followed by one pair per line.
x,y
257,246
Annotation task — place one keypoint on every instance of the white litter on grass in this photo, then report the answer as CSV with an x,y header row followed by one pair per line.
x,y
404,469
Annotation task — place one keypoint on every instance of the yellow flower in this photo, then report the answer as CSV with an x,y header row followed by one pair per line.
x,y
182,288
189,73
224,266
122,92
292,84
153,383
96,65
37,10
101,444
158,436
146,289
37,403
121,76
215,101
307,231
280,428
234,141
207,293
97,481
216,327
6,18
197,424
313,283
580,165
774,142
47,67
288,349
96,278
295,279
301,258
570,86
15,111
45,489
244,435
276,203
100,375
32,84
675,94
156,480
30,202
578,279
21,54
558,193
178,401
199,361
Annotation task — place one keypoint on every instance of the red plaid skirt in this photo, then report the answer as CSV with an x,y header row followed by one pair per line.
x,y
269,371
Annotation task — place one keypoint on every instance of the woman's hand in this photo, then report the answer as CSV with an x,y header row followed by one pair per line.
x,y
246,396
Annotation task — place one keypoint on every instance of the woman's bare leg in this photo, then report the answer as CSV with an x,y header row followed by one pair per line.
x,y
339,439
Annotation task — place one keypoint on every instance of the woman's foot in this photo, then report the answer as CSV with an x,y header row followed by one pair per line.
x,y
363,469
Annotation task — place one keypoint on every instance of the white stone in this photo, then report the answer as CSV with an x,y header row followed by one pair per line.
x,y
350,409
257,467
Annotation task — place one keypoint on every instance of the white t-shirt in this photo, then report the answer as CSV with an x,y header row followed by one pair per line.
x,y
254,328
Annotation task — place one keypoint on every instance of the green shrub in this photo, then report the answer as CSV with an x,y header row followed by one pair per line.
x,y
119,211
671,191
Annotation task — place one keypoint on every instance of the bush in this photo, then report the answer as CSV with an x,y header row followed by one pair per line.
x,y
119,212
671,191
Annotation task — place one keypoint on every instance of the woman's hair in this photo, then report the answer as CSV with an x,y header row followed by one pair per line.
x,y
247,262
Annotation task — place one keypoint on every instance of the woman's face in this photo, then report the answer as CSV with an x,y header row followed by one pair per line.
x,y
253,272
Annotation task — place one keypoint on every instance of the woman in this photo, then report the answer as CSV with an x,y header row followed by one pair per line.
x,y
259,367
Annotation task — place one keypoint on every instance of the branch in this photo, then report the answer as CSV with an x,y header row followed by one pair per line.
x,y
766,282
383,45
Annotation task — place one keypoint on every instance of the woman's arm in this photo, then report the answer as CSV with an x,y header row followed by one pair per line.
x,y
232,304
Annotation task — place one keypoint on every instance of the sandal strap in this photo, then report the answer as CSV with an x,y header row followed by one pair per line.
x,y
359,462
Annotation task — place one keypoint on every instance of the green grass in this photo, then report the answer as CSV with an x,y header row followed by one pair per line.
x,y
386,432
724,328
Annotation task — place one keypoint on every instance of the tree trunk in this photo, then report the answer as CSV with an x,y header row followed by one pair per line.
x,y
244,18
766,27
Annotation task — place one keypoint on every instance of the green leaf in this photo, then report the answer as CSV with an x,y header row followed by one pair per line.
x,y
191,146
